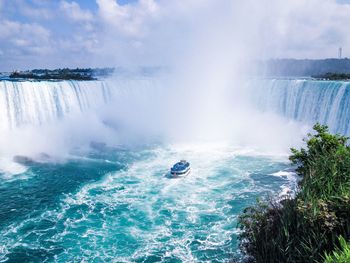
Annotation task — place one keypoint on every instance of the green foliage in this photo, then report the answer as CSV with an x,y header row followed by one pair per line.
x,y
324,165
303,228
62,74
341,255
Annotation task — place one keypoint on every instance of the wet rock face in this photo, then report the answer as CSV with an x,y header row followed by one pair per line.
x,y
23,160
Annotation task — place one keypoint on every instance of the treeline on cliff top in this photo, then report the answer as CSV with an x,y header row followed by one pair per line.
x,y
79,73
62,74
333,76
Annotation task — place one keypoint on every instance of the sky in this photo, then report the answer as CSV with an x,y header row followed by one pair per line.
x,y
89,33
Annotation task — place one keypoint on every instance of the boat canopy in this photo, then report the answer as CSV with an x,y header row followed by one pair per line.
x,y
180,166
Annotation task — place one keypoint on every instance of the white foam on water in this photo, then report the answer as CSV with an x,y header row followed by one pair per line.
x,y
288,189
10,170
165,217
187,196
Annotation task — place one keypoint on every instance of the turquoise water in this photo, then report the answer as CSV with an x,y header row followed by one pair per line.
x,y
116,205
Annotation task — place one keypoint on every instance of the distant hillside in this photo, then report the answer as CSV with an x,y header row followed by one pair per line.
x,y
303,67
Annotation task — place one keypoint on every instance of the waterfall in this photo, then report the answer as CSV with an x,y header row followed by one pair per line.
x,y
308,101
24,103
38,102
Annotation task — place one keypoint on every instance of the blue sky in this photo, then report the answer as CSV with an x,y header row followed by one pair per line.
x,y
66,33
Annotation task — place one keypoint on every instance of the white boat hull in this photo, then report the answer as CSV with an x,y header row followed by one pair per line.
x,y
179,175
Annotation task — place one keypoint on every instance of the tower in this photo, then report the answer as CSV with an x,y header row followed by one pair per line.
x,y
340,52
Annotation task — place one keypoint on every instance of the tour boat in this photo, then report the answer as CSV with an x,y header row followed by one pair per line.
x,y
180,169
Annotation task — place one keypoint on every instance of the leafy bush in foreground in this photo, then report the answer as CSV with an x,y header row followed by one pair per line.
x,y
304,228
341,255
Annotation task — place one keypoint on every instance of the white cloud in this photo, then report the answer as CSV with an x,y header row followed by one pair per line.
x,y
23,32
313,28
36,10
165,32
130,19
23,44
74,12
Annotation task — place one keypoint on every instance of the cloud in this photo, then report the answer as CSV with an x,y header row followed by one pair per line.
x,y
73,11
36,10
23,43
156,32
166,32
24,34
313,28
129,19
